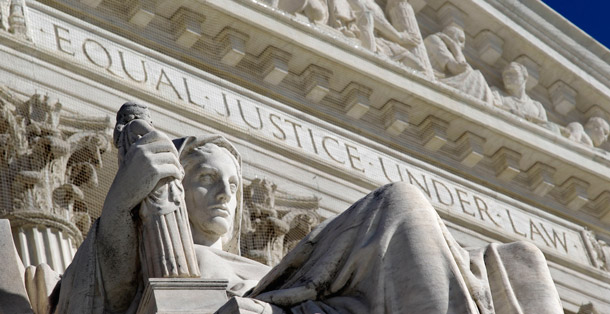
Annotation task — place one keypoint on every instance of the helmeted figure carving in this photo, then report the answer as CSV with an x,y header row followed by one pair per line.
x,y
450,65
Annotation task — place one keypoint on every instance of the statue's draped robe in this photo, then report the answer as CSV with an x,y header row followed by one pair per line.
x,y
391,253
81,290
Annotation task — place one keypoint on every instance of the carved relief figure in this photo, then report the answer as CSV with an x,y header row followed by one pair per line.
x,y
12,18
402,17
450,65
598,250
396,36
315,10
399,39
598,129
514,97
594,133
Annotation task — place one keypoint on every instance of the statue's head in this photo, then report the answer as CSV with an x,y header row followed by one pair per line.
x,y
457,34
213,188
514,76
598,129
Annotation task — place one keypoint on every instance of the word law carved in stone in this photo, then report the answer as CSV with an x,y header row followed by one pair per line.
x,y
388,252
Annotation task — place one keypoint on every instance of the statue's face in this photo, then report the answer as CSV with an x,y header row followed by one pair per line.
x,y
457,34
512,77
210,189
598,131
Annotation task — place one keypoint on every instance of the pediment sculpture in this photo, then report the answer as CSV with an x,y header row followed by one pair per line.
x,y
594,133
514,98
393,33
445,50
388,253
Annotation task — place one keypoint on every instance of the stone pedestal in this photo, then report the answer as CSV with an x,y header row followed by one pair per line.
x,y
183,295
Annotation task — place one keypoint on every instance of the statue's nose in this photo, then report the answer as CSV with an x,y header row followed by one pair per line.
x,y
224,195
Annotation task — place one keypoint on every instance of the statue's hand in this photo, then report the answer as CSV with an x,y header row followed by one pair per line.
x,y
150,159
457,67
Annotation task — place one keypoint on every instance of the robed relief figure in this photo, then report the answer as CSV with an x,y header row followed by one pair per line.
x,y
445,50
388,253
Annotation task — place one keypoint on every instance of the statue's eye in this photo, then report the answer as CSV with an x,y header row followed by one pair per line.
x,y
206,178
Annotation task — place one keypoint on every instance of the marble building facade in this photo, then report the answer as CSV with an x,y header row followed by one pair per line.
x,y
497,110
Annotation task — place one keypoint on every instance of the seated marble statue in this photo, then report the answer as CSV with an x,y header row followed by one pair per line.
x,y
388,253
450,65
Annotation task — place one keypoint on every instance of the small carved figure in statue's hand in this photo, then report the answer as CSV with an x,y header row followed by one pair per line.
x,y
166,243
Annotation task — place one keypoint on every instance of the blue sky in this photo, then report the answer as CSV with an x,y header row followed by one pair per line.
x,y
589,15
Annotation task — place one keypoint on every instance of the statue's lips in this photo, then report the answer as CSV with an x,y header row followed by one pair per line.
x,y
220,210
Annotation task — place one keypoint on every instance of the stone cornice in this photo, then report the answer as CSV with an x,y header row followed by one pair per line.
x,y
559,33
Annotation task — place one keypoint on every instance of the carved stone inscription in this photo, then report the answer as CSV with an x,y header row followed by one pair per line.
x,y
477,206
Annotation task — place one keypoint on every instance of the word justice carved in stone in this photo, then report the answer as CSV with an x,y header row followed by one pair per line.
x,y
245,114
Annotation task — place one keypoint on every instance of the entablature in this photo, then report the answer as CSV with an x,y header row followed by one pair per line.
x,y
316,69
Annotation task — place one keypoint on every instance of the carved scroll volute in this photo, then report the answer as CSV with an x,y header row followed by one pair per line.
x,y
166,242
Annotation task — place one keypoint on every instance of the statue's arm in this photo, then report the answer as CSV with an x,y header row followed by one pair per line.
x,y
541,111
150,159
440,56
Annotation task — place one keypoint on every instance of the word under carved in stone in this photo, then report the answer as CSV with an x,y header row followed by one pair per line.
x,y
274,222
44,167
12,18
